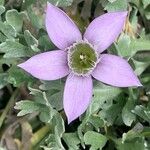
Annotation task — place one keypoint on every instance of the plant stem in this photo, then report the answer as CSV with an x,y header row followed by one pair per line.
x,y
10,104
39,135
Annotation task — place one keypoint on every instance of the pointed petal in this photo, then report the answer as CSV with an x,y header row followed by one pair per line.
x,y
103,30
77,96
115,71
47,66
61,29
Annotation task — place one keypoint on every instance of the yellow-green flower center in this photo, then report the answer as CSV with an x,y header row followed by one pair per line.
x,y
82,58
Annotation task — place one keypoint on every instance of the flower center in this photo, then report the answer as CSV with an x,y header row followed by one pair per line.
x,y
82,58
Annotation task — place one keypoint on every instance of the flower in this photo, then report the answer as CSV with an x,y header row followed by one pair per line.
x,y
81,58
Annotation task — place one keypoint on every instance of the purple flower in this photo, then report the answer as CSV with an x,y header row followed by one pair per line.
x,y
80,58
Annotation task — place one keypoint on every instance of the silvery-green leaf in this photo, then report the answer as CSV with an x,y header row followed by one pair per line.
x,y
127,115
2,2
72,140
2,37
96,140
133,133
3,80
140,66
117,5
101,94
30,39
112,110
137,144
36,19
142,112
13,49
15,19
27,107
146,3
17,77
62,3
2,9
7,30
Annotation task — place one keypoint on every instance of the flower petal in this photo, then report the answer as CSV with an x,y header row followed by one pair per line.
x,y
47,66
77,95
115,71
103,30
61,29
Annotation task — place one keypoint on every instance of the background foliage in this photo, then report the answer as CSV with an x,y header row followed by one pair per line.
x,y
31,111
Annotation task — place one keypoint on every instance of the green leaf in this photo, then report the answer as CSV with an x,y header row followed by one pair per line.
x,y
133,145
72,140
142,112
30,39
61,3
54,91
15,19
13,49
54,140
127,116
27,107
140,67
56,99
146,3
133,133
36,19
17,77
139,45
7,30
96,121
52,85
3,80
2,2
111,110
116,5
2,37
111,1
123,45
27,3
45,43
147,12
45,109
2,9
96,140
50,113
102,93
127,47
59,125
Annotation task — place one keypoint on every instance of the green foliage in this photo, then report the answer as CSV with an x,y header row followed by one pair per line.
x,y
13,49
102,94
117,118
96,140
28,107
72,140
62,3
116,5
127,116
15,19
142,112
145,3
3,80
2,9
7,30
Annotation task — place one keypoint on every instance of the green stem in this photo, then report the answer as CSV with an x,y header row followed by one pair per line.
x,y
131,94
10,104
39,135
